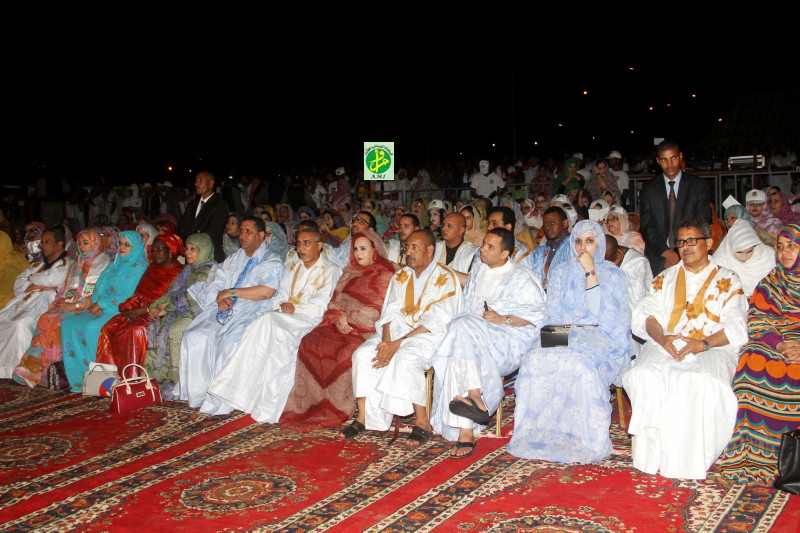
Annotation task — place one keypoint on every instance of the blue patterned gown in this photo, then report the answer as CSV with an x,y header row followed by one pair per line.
x,y
563,410
79,332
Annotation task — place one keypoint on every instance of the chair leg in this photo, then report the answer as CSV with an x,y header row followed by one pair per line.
x,y
621,407
396,433
429,404
498,429
429,383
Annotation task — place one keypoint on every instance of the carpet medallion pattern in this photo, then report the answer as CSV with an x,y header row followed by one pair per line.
x,y
68,463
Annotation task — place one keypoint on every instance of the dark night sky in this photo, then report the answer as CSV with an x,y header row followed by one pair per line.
x,y
267,105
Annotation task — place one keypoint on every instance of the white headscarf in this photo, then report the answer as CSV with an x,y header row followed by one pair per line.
x,y
596,215
624,223
740,237
151,231
533,218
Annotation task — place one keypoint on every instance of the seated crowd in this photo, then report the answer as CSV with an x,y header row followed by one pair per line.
x,y
331,317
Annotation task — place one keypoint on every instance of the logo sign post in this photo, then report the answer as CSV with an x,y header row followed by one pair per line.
x,y
378,161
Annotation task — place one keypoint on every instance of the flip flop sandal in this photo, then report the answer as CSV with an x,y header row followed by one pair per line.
x,y
419,435
471,445
353,429
473,412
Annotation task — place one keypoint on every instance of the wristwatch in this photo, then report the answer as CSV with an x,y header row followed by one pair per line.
x,y
508,319
233,292
706,345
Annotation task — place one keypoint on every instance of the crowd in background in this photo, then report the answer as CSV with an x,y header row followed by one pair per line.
x,y
129,256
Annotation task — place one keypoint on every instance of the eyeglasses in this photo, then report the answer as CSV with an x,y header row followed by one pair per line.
x,y
365,222
612,219
690,241
304,243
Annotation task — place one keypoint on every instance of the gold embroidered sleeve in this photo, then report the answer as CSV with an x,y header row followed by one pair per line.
x,y
724,285
401,276
658,282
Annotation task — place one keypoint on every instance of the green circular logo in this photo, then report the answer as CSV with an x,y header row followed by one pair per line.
x,y
378,160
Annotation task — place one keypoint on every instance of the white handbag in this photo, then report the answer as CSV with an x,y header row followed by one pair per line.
x,y
100,379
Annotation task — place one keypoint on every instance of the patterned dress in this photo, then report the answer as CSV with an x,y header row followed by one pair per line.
x,y
322,396
164,334
79,332
766,386
563,412
124,342
46,347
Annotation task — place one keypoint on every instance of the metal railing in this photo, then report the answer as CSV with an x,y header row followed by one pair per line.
x,y
724,183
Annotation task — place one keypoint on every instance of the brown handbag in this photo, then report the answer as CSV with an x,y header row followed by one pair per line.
x,y
57,376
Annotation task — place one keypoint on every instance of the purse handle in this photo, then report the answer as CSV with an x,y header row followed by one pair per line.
x,y
95,366
127,382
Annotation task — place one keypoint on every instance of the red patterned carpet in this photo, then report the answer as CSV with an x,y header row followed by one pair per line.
x,y
67,463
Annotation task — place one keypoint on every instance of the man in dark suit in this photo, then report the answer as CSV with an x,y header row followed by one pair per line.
x,y
666,200
207,213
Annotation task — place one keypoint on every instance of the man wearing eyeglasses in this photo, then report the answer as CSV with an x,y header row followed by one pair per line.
x,y
235,293
259,375
694,320
292,258
362,221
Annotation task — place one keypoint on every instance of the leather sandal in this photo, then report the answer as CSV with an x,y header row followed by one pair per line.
x,y
353,429
471,445
473,412
418,435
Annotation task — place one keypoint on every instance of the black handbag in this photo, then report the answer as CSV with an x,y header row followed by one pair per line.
x,y
554,336
788,479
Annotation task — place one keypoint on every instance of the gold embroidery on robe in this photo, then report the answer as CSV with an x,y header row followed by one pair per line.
x,y
401,276
680,304
697,334
443,298
441,280
724,285
734,293
409,308
412,309
694,309
314,285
